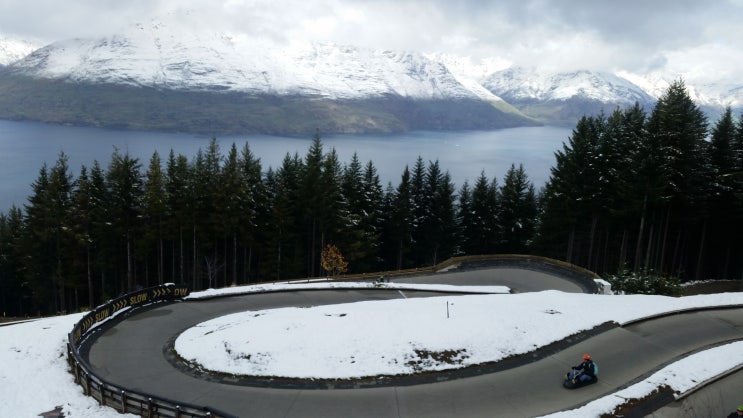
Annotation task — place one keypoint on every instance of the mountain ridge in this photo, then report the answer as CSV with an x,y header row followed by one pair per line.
x,y
341,88
332,87
154,56
563,98
14,49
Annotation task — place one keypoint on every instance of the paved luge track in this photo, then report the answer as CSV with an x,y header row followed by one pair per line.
x,y
132,356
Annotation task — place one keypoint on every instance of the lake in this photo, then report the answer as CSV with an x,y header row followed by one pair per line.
x,y
25,146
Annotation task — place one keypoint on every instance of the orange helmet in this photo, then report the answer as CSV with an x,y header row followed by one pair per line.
x,y
586,357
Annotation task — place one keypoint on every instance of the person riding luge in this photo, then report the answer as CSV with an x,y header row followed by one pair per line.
x,y
737,414
587,371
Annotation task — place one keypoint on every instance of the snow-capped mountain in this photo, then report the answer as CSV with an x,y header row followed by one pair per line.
x,y
12,49
158,76
564,97
167,72
708,92
518,84
158,56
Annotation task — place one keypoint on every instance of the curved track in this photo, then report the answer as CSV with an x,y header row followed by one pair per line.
x,y
132,356
715,400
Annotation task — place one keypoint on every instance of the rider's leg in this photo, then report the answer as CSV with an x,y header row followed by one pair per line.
x,y
585,378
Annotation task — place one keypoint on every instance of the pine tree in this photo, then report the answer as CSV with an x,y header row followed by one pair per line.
x,y
400,225
722,153
650,182
363,196
274,226
154,210
49,239
517,211
419,207
465,218
205,183
724,203
284,254
738,147
631,188
14,294
124,181
437,231
180,207
234,209
430,225
374,219
256,206
680,127
311,198
334,217
485,228
103,240
737,182
352,187
81,219
38,244
60,194
568,213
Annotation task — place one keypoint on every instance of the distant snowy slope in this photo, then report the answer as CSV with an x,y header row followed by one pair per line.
x,y
156,55
518,83
563,97
706,91
12,49
470,75
166,75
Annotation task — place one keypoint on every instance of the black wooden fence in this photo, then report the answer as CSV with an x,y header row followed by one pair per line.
x,y
123,399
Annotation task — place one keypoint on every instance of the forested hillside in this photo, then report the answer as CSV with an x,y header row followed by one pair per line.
x,y
213,220
658,192
655,193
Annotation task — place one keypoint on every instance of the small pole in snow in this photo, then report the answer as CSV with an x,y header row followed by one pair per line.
x,y
447,309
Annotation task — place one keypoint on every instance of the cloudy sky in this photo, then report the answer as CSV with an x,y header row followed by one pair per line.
x,y
688,37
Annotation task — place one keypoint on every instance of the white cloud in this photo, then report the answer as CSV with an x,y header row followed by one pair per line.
x,y
634,35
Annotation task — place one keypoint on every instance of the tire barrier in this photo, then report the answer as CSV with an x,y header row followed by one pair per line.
x,y
122,399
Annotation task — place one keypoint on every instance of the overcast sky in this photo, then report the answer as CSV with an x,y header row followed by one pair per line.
x,y
681,36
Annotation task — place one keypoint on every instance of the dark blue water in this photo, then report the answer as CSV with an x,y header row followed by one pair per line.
x,y
24,147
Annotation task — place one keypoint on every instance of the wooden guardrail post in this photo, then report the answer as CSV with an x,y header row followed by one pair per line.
x,y
87,384
76,372
102,392
70,360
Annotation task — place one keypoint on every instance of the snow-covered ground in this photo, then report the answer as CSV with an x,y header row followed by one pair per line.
x,y
34,376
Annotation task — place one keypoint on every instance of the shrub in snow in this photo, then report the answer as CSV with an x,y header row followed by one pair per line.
x,y
645,283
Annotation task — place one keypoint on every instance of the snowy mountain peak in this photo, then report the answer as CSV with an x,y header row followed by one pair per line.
x,y
469,73
13,49
717,93
187,57
161,56
529,84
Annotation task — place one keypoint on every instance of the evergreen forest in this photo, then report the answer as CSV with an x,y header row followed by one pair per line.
x,y
638,191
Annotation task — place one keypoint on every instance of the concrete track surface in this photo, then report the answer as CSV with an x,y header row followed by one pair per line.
x,y
131,354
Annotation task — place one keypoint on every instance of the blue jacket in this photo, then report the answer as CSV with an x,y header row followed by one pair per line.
x,y
588,367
